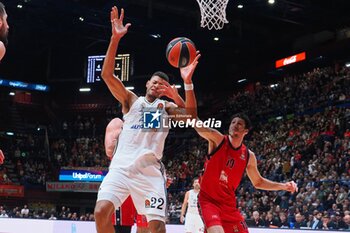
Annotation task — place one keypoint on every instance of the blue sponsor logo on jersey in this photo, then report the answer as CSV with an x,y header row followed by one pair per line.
x,y
152,119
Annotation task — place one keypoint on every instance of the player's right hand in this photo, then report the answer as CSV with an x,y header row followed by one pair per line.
x,y
2,157
167,90
291,186
187,72
118,29
182,219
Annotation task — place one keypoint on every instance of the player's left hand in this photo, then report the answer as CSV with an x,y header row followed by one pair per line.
x,y
291,186
167,90
2,157
187,72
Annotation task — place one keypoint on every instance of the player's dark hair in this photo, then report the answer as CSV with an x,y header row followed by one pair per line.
x,y
161,75
195,178
2,9
247,122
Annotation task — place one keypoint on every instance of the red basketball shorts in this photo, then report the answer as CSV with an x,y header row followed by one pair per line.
x,y
222,214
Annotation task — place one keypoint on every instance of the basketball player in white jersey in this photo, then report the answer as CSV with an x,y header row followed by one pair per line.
x,y
4,28
193,221
136,169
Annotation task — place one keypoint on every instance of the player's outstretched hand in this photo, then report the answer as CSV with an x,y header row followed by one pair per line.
x,y
187,72
167,90
291,186
118,29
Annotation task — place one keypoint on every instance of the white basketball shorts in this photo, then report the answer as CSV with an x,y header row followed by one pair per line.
x,y
194,223
145,184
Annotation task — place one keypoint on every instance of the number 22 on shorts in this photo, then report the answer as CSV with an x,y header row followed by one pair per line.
x,y
156,203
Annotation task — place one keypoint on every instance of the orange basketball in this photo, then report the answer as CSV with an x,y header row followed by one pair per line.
x,y
180,52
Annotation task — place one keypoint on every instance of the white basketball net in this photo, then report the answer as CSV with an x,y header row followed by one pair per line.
x,y
213,13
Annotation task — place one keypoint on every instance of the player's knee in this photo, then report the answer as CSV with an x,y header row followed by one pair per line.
x,y
156,226
103,211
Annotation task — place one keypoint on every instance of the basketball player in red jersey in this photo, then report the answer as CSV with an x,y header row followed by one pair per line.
x,y
4,28
228,159
124,217
2,157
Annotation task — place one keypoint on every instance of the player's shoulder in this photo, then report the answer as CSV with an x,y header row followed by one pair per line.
x,y
251,153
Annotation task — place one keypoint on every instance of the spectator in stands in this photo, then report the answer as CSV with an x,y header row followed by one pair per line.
x,y
271,221
299,222
74,217
258,222
317,223
339,223
63,212
25,211
347,222
326,224
3,214
52,217
283,223
309,221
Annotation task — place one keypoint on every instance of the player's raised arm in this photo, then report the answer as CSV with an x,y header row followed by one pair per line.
x,y
213,136
115,85
171,92
190,98
190,109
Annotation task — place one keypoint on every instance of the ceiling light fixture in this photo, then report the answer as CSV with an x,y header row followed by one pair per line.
x,y
85,89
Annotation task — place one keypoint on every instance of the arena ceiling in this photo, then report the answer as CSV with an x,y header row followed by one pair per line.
x,y
50,39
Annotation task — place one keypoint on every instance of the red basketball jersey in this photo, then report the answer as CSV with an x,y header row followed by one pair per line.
x,y
141,221
125,215
223,172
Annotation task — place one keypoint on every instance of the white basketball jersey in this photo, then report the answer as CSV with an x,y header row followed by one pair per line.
x,y
134,141
192,202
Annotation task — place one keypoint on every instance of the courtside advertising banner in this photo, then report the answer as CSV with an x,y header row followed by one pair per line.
x,y
11,191
82,187
290,60
82,175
